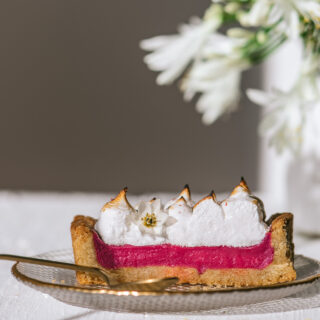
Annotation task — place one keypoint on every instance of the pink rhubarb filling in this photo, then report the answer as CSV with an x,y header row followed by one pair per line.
x,y
201,258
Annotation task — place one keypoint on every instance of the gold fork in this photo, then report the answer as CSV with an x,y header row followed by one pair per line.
x,y
145,285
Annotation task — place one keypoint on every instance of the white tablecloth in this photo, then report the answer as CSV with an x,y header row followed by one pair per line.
x,y
32,223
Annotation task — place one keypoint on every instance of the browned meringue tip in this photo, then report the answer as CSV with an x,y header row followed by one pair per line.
x,y
181,200
120,197
242,186
211,196
186,193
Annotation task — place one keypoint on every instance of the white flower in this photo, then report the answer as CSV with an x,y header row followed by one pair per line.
x,y
218,79
219,45
151,218
286,121
257,15
172,54
219,94
215,61
268,12
309,9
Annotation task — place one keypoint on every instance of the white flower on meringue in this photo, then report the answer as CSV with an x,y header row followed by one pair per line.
x,y
172,54
151,218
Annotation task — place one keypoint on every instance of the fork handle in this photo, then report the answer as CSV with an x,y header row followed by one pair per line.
x,y
58,264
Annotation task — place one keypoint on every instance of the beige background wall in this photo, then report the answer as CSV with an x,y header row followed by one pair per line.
x,y
80,111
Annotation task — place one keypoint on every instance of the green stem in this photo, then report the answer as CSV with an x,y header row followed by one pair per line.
x,y
262,53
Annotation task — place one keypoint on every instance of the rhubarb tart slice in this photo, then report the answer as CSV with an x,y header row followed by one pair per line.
x,y
226,243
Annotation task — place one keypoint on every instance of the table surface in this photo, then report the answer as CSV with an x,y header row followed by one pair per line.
x,y
32,223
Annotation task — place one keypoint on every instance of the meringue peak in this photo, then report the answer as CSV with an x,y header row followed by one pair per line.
x,y
244,184
185,193
180,201
211,196
179,209
242,187
118,201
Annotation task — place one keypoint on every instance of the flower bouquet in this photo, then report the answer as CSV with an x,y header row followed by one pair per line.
x,y
209,63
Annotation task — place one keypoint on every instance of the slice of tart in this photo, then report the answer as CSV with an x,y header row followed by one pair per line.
x,y
225,243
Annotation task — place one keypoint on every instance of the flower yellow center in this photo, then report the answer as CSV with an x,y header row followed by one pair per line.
x,y
149,220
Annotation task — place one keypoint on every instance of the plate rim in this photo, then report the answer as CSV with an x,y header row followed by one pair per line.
x,y
98,290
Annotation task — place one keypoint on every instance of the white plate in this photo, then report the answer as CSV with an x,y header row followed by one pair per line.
x,y
62,285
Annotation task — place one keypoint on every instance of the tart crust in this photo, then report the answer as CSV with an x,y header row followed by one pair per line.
x,y
280,270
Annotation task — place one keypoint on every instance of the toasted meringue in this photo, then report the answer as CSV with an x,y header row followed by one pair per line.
x,y
205,222
237,221
180,213
258,202
120,201
241,189
179,207
211,196
185,194
241,209
114,221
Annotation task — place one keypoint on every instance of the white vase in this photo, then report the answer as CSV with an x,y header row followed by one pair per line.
x,y
303,195
290,183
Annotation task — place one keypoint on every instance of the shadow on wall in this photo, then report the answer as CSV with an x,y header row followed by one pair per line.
x,y
80,110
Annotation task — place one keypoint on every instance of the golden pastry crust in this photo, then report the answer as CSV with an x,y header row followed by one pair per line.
x,y
280,270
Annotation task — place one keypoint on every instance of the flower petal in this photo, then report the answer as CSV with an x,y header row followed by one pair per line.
x,y
257,14
268,121
293,29
172,54
157,42
156,206
275,14
258,96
